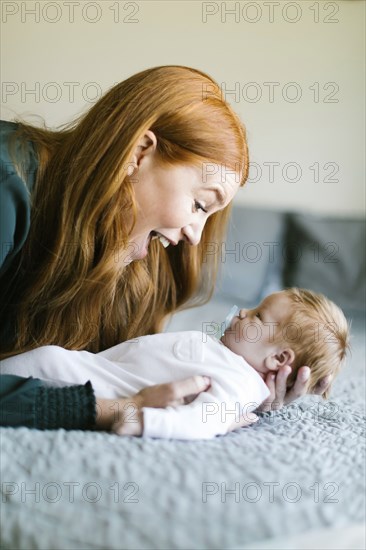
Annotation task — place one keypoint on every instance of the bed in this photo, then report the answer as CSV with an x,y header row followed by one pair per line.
x,y
295,478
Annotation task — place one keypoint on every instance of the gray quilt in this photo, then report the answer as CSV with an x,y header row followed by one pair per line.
x,y
296,470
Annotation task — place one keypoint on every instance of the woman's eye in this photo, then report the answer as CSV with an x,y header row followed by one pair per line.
x,y
198,206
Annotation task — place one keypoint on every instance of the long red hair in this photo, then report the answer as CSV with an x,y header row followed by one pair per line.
x,y
68,287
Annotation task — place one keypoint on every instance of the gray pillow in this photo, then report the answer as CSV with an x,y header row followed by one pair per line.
x,y
327,255
251,259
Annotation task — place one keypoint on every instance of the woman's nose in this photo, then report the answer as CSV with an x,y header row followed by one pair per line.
x,y
193,232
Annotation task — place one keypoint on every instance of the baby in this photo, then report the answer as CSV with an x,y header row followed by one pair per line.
x,y
293,327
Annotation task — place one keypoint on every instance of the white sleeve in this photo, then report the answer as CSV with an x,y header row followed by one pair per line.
x,y
204,418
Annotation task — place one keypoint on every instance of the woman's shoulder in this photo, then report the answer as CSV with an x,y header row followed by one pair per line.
x,y
16,184
24,152
8,126
6,130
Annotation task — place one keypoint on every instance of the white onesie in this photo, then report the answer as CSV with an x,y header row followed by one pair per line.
x,y
125,369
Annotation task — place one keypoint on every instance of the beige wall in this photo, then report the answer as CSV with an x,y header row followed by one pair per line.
x,y
311,130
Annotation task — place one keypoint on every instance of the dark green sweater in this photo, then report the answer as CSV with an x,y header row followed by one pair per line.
x,y
15,212
14,197
27,401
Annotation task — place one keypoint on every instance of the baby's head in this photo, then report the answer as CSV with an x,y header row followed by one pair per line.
x,y
293,327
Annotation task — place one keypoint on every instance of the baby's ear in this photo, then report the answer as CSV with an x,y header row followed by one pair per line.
x,y
280,359
286,357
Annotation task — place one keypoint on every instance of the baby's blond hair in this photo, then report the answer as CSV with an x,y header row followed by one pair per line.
x,y
318,333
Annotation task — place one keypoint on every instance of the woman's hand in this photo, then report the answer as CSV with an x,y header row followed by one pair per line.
x,y
124,416
174,394
280,396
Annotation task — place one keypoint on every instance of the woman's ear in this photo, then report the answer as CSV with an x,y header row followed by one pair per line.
x,y
146,146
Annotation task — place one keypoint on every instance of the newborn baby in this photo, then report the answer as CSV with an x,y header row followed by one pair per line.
x,y
294,327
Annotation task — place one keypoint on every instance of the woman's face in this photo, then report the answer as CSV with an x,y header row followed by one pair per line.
x,y
175,202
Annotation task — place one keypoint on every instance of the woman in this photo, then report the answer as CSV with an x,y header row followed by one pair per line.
x,y
88,212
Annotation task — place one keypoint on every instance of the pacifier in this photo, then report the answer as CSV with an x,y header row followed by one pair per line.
x,y
230,316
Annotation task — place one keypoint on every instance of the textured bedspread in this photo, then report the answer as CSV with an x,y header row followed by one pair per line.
x,y
296,470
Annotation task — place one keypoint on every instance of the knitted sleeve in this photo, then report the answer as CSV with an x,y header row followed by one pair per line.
x,y
28,402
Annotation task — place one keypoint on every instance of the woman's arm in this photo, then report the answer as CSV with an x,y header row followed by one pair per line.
x,y
28,402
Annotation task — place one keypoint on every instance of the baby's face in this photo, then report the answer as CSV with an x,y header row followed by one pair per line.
x,y
252,333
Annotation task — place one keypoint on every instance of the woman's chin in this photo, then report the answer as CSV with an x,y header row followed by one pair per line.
x,y
140,249
141,255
